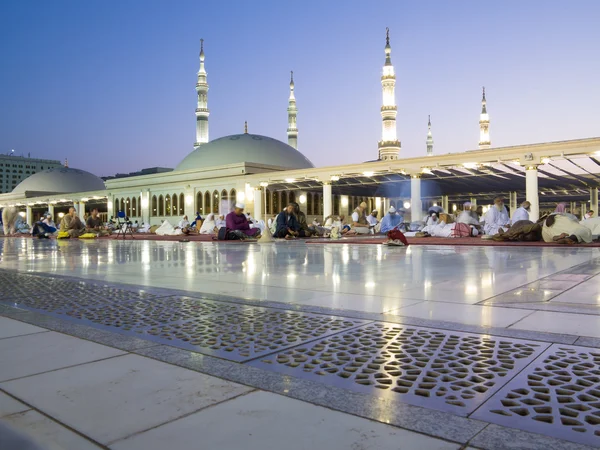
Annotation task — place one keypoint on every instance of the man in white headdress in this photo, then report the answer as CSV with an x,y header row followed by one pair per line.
x,y
522,212
390,221
496,218
360,225
470,218
237,221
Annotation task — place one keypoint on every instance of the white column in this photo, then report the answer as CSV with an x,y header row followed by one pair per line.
x,y
327,200
258,204
51,210
29,215
416,208
594,201
145,207
445,204
583,209
512,198
110,207
188,206
572,208
531,188
380,207
473,201
344,205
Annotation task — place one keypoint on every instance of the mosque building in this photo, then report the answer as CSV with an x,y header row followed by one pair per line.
x,y
266,173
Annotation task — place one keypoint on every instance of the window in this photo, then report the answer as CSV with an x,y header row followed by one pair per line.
x,y
161,206
168,205
216,202
154,206
309,203
336,205
128,207
292,196
207,203
225,201
232,198
199,203
182,205
134,204
269,205
174,209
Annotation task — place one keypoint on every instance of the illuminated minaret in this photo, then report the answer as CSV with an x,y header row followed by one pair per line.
x,y
484,126
429,138
292,130
202,107
389,146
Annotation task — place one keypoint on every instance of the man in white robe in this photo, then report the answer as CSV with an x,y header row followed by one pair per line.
x,y
522,212
496,218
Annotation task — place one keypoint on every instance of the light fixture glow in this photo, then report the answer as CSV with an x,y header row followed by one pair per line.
x,y
302,199
240,197
426,170
61,215
344,201
264,184
454,207
470,165
368,174
335,178
435,204
189,200
546,160
85,199
406,205
22,214
289,180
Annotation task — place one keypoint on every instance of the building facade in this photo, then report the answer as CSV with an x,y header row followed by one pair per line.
x,y
14,169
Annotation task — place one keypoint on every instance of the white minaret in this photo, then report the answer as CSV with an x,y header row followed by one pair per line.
x,y
429,138
484,126
389,146
202,112
292,130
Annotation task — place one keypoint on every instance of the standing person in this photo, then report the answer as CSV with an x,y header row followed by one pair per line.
x,y
287,225
237,221
522,212
496,218
360,225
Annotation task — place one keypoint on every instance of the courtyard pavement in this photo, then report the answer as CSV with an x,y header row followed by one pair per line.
x,y
149,345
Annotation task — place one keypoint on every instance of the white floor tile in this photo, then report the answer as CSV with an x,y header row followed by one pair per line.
x,y
35,353
9,405
359,302
486,316
112,399
566,323
10,328
49,434
261,421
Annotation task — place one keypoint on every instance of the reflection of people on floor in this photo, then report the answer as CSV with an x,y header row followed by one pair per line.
x,y
95,225
208,226
390,221
496,218
287,225
237,221
562,229
71,224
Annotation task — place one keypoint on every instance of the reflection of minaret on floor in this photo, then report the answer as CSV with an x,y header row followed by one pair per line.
x,y
429,138
202,112
292,131
389,146
484,125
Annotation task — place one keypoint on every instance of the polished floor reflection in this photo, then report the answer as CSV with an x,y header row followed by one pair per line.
x,y
525,288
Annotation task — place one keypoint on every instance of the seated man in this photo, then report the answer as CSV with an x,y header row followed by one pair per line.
x,y
44,228
390,221
95,225
184,225
564,230
372,218
470,218
304,231
521,213
71,224
287,225
496,218
237,221
360,225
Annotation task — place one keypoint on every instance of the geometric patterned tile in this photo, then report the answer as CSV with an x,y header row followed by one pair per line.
x,y
557,395
445,370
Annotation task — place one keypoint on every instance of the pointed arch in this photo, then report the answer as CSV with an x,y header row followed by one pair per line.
x,y
174,205
154,210
199,203
291,196
216,202
207,203
269,205
161,205
182,205
167,205
309,203
134,203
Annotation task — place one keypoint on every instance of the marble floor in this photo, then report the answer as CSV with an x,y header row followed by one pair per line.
x,y
151,393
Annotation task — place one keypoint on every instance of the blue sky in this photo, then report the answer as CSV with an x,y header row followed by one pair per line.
x,y
110,85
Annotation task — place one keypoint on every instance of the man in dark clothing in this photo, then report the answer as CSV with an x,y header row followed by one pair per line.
x,y
301,217
287,225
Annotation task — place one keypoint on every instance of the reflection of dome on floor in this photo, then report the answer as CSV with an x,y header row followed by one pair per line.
x,y
250,148
60,180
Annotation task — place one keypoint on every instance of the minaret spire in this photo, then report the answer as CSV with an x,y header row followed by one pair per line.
x,y
484,125
202,111
429,138
389,146
292,131
246,127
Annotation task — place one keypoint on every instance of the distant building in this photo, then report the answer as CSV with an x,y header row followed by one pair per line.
x,y
149,171
14,169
